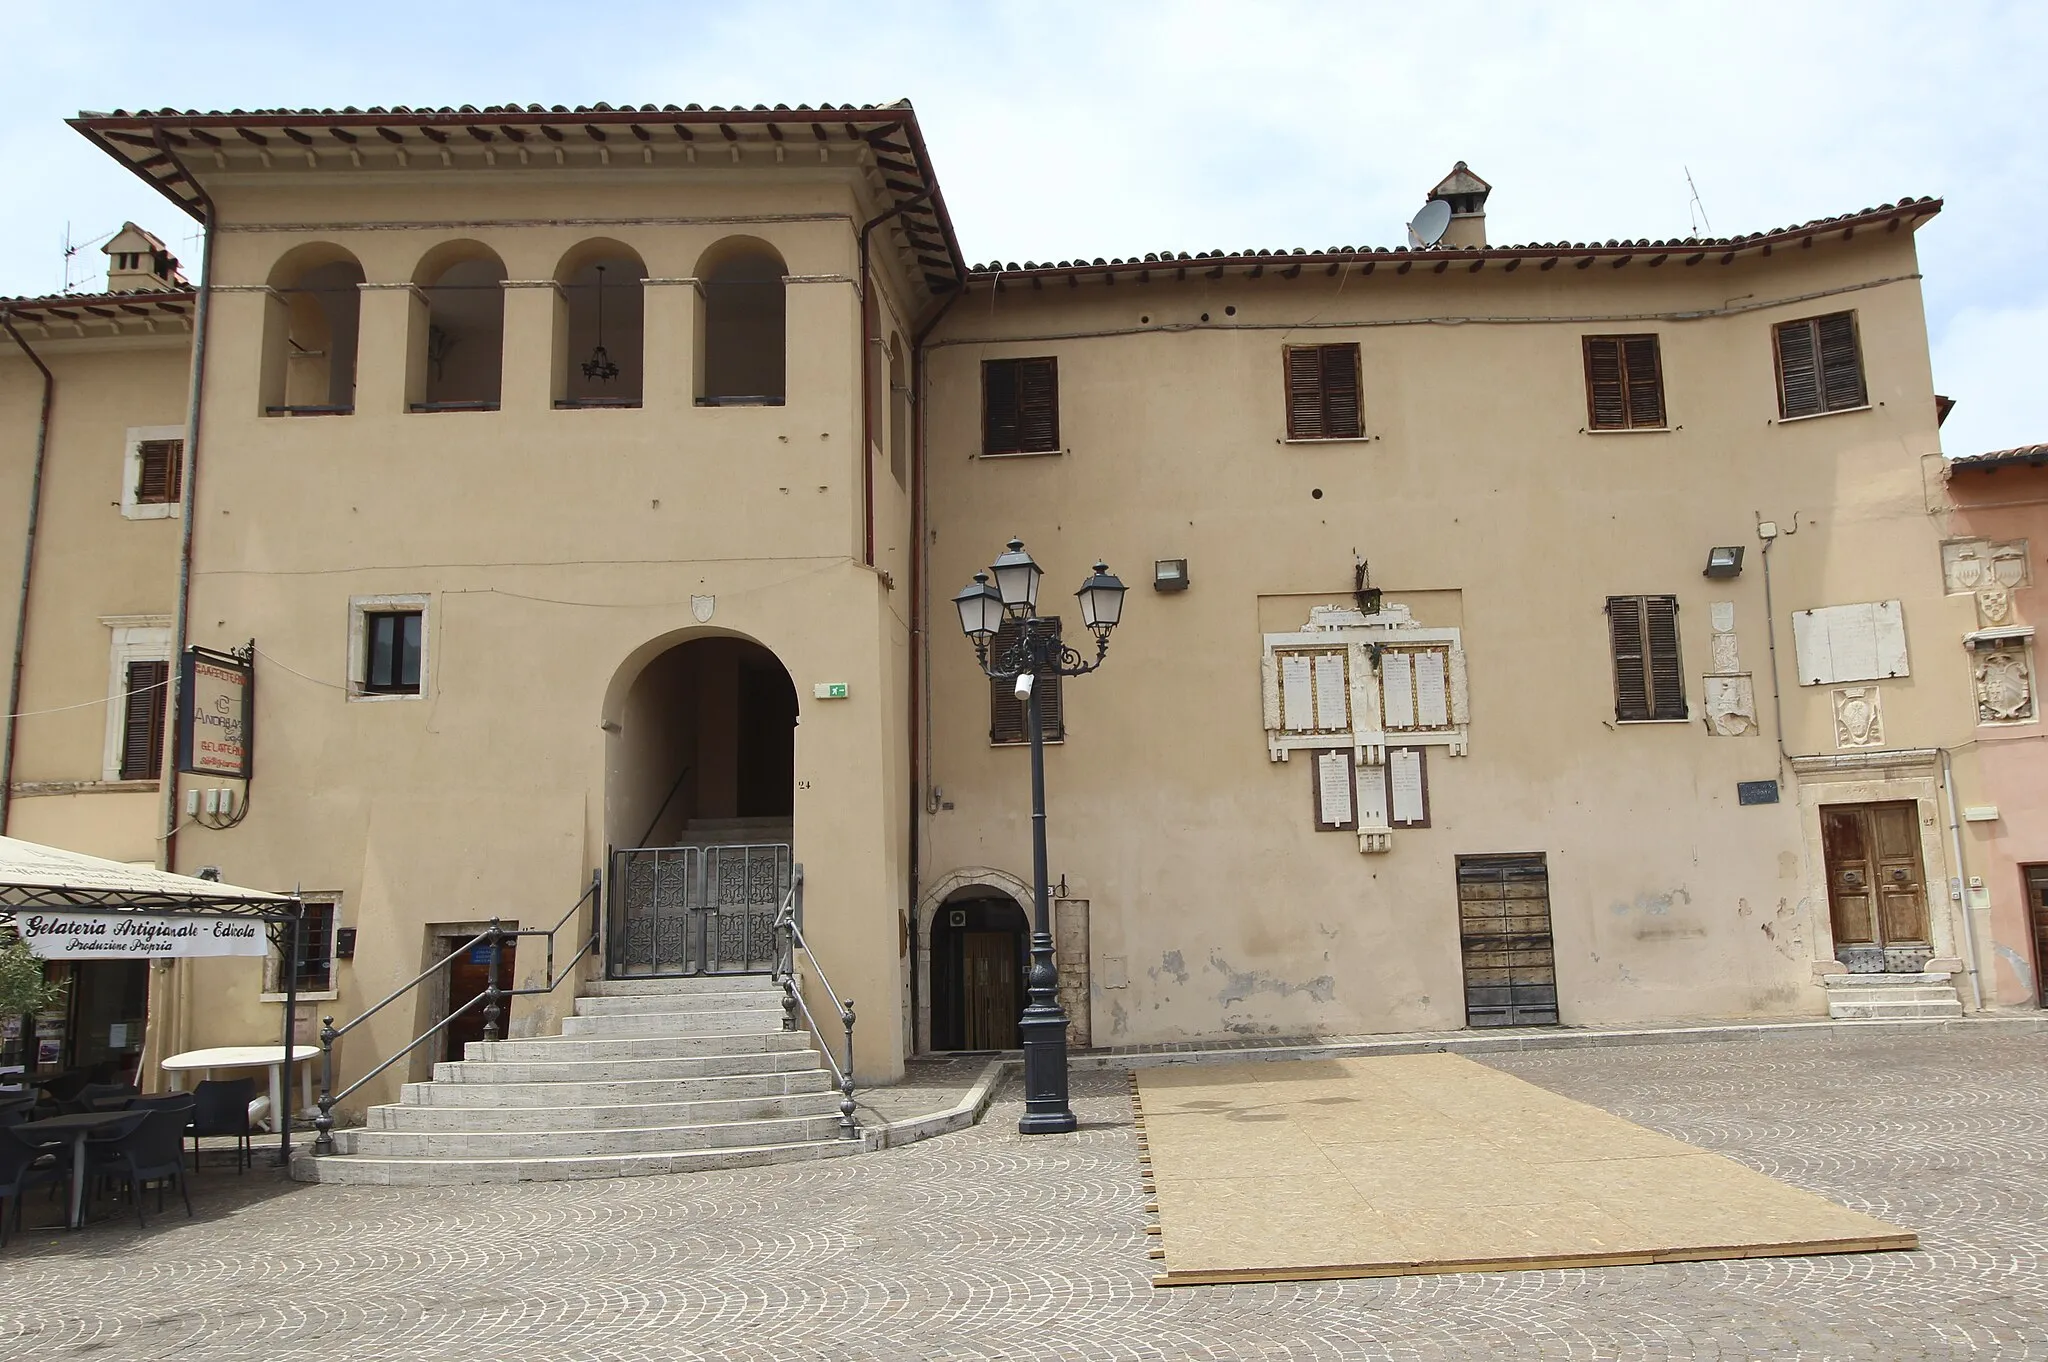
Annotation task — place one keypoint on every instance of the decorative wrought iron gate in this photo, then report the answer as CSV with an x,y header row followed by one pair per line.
x,y
695,909
1504,928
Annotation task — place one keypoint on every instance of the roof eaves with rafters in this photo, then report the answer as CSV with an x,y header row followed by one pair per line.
x,y
1907,214
153,143
144,308
2032,456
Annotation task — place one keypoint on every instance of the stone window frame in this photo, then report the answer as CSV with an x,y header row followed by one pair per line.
x,y
135,638
131,472
360,608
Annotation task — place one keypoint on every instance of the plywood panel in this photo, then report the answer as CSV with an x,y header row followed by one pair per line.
x,y
1432,1163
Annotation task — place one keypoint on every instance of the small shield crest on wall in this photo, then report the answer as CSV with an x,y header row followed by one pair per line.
x,y
701,607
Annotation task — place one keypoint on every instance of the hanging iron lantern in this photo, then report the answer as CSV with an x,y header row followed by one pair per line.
x,y
599,367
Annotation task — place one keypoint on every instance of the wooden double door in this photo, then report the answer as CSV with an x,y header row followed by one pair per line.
x,y
1877,887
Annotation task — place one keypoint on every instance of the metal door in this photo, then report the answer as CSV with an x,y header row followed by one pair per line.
x,y
2037,915
1877,894
696,909
1504,930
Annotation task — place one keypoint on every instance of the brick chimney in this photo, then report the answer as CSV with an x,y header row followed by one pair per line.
x,y
137,262
1466,194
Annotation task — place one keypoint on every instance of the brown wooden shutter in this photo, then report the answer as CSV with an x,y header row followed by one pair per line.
x,y
1304,392
1606,399
1020,406
1798,370
1341,417
1323,401
1631,669
142,721
1841,363
1667,678
1645,373
1008,719
1038,406
160,474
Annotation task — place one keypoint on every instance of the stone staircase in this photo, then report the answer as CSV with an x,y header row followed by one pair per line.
x,y
1891,997
648,1076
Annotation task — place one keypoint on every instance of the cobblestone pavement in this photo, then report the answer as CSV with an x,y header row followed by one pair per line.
x,y
984,1245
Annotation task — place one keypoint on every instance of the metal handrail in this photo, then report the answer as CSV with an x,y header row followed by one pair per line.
x,y
790,940
493,938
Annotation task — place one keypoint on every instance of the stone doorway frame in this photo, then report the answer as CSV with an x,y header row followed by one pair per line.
x,y
947,885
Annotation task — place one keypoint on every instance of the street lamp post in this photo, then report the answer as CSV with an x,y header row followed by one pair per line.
x,y
1037,651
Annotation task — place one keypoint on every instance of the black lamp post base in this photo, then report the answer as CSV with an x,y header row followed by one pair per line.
x,y
1044,1039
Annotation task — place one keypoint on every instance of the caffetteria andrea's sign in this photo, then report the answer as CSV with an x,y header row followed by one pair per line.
x,y
216,699
103,936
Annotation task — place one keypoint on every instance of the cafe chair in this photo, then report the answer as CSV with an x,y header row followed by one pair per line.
x,y
221,1107
25,1164
15,1110
100,1097
150,1151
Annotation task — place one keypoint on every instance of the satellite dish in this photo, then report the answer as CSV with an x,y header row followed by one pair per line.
x,y
1428,227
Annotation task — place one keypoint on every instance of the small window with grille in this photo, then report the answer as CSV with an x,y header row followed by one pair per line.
x,y
1649,682
312,969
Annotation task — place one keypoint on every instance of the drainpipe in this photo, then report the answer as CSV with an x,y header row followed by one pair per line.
x,y
28,567
920,640
1771,633
188,500
867,383
1962,894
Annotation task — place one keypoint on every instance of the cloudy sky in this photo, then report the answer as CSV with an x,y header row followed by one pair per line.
x,y
1113,127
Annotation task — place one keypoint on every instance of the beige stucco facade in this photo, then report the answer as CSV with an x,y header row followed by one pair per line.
x,y
560,552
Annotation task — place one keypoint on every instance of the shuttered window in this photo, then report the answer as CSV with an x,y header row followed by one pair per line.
x,y
1020,406
142,721
1322,393
392,653
1624,383
1008,719
1648,680
1820,366
160,468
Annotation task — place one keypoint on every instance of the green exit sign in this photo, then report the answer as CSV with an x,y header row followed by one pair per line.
x,y
829,690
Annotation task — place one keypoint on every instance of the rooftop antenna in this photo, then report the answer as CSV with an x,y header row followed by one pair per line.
x,y
1428,227
1697,209
73,249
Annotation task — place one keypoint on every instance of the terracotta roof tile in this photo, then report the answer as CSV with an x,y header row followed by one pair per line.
x,y
2035,455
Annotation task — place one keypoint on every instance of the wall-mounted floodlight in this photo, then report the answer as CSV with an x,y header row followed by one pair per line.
x,y
1170,574
1724,562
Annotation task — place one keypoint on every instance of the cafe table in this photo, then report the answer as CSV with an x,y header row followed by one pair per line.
x,y
76,1127
270,1057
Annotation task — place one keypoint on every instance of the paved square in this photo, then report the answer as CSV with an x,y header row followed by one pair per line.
x,y
985,1245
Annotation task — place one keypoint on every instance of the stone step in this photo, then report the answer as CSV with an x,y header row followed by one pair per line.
x,y
570,1049
423,1119
634,1087
1909,980
423,1172
516,1144
1891,1011
1918,993
753,1021
762,1002
678,987
543,1074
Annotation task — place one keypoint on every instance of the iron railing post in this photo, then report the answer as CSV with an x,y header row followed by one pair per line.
x,y
491,952
323,1124
847,1125
785,968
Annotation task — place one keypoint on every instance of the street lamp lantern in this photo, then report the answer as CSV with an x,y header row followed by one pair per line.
x,y
1034,650
1017,579
981,610
1102,601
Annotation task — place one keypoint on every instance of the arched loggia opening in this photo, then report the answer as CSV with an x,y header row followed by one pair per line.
x,y
980,952
309,333
457,360
699,796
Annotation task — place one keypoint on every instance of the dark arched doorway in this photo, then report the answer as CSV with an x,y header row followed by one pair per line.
x,y
980,952
698,809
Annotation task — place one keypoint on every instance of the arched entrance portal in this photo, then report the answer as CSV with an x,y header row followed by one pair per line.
x,y
698,809
980,951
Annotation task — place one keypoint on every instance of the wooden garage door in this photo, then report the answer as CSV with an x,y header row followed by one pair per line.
x,y
1504,928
